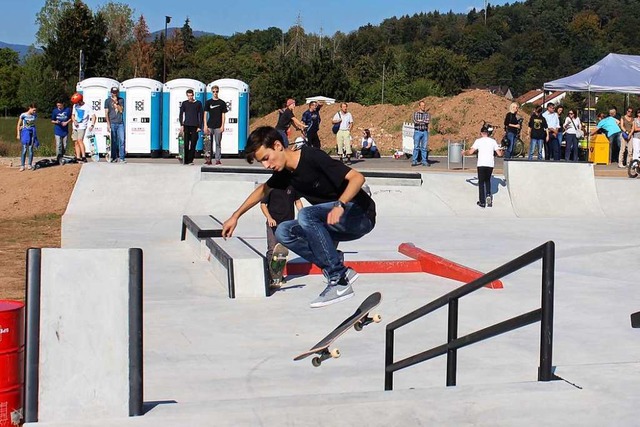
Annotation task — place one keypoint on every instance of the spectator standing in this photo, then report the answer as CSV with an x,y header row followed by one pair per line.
x,y
311,119
511,127
538,132
214,125
343,137
626,123
26,134
485,146
636,135
80,116
191,116
552,145
286,119
114,114
611,126
60,117
421,119
572,126
277,207
561,120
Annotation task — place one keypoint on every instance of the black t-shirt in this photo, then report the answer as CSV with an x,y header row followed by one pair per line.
x,y
280,203
511,119
284,121
538,125
320,179
215,108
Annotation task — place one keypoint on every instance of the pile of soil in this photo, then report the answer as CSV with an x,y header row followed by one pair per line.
x,y
453,118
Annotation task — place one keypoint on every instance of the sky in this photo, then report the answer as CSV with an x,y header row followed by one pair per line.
x,y
229,17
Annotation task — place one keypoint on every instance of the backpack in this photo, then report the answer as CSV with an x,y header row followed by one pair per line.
x,y
336,126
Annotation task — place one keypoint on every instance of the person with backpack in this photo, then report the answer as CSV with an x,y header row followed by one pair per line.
x,y
342,125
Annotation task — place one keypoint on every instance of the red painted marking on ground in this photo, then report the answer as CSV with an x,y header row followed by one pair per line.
x,y
442,267
392,266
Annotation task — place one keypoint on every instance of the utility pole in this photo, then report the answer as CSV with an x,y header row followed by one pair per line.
x,y
383,67
485,11
81,66
167,19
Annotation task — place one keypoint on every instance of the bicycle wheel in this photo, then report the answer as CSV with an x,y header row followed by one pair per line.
x,y
518,148
632,171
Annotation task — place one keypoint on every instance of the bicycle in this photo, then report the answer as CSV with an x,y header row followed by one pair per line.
x,y
633,169
519,149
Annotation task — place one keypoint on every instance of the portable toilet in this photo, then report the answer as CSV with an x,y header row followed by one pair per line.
x,y
95,91
236,127
142,116
174,93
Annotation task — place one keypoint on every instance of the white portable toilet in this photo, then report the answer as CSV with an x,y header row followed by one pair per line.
x,y
236,127
174,93
142,116
95,91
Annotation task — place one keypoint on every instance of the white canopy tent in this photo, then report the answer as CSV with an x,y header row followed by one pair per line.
x,y
614,73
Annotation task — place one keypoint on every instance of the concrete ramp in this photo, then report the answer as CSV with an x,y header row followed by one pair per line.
x,y
552,189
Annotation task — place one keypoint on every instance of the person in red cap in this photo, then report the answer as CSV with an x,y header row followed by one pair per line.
x,y
286,119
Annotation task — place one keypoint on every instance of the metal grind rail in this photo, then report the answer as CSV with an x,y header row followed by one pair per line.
x,y
544,315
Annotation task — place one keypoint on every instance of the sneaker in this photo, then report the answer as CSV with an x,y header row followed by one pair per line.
x,y
29,167
351,275
123,160
333,293
620,166
480,204
414,164
489,201
21,168
277,283
218,162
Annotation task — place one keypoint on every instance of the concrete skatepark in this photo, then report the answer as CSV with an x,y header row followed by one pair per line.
x,y
212,360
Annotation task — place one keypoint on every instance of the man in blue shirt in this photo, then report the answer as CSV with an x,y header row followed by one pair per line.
x,y
60,117
312,119
611,126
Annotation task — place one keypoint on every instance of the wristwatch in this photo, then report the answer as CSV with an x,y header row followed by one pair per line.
x,y
339,204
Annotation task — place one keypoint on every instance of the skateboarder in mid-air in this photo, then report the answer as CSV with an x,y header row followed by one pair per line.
x,y
340,211
277,207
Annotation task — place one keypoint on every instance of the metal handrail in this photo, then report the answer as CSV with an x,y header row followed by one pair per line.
x,y
544,314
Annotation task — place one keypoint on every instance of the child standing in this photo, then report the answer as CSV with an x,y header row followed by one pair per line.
x,y
26,134
485,146
277,206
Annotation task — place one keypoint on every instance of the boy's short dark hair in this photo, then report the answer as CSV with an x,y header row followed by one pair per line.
x,y
264,136
189,91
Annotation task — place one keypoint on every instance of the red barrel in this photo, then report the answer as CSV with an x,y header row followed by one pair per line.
x,y
11,362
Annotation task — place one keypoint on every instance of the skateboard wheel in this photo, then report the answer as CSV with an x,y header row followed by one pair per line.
x,y
358,326
377,318
316,361
335,353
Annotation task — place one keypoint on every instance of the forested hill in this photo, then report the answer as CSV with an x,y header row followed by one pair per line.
x,y
521,45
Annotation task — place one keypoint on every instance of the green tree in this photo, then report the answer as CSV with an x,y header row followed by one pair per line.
x,y
118,20
78,30
188,39
9,79
48,18
141,52
37,85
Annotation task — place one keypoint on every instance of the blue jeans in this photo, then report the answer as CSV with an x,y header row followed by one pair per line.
x,y
614,141
285,138
512,138
27,148
554,148
535,142
117,141
313,239
420,145
571,147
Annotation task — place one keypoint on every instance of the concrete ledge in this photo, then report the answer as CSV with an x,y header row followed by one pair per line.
x,y
238,264
258,174
201,226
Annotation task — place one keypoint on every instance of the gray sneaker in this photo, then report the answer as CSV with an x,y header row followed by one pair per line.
x,y
351,276
333,293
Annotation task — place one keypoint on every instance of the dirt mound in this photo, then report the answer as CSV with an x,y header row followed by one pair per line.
x,y
453,118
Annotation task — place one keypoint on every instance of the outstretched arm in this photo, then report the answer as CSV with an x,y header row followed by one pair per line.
x,y
254,198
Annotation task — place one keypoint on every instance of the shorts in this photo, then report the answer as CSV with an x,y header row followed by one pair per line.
x,y
78,134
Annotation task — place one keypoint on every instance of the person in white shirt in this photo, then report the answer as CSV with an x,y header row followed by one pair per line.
x,y
572,132
552,145
343,137
485,146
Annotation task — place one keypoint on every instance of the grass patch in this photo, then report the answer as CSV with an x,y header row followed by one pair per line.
x,y
11,147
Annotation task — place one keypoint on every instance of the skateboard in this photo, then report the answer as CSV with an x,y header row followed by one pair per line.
x,y
180,148
277,263
358,320
95,154
208,149
107,154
